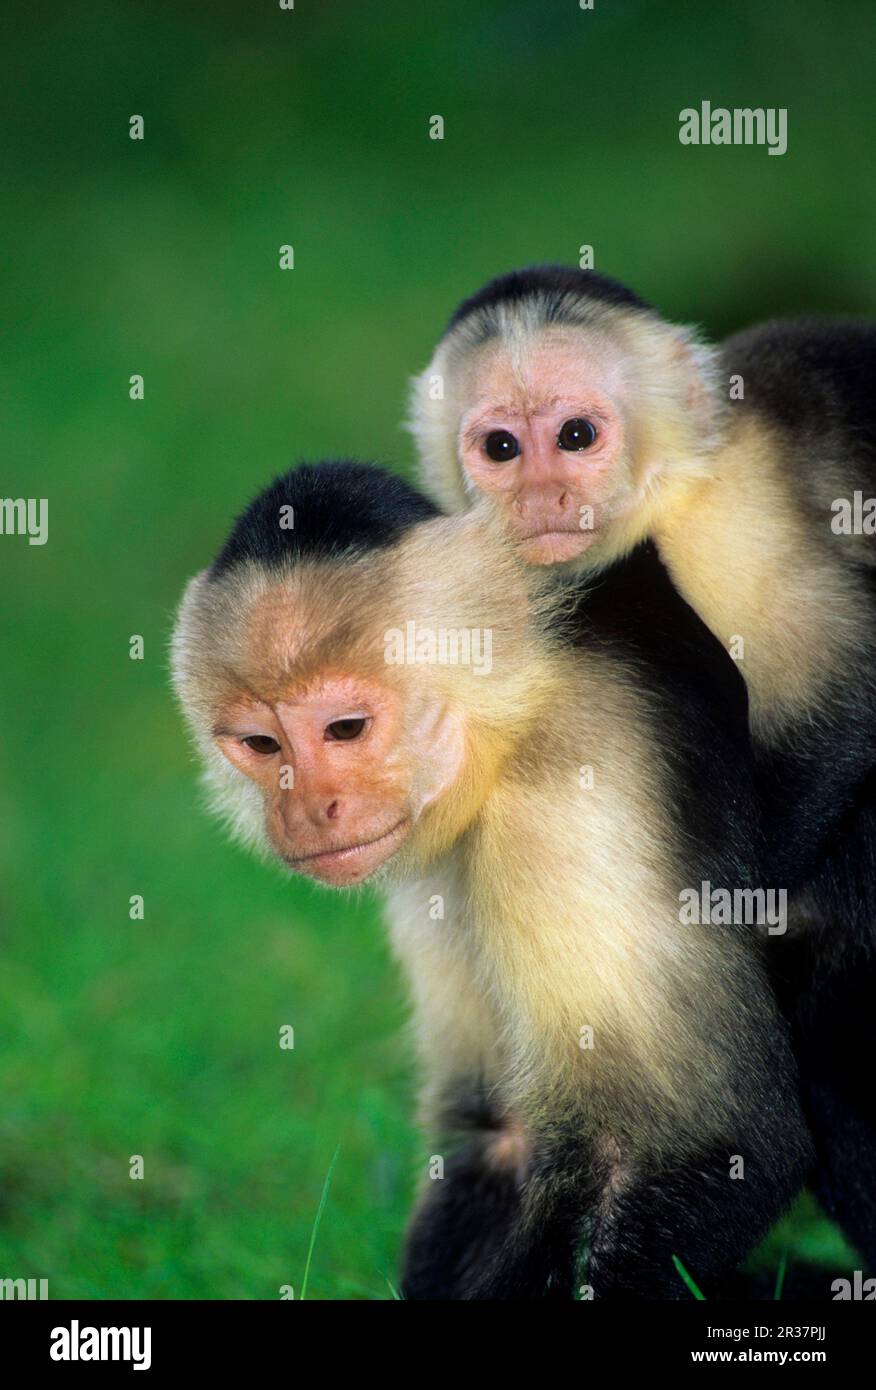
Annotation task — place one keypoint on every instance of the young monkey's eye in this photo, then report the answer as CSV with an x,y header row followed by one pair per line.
x,y
344,730
576,434
262,743
501,445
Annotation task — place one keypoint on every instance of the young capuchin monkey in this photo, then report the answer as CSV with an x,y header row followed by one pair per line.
x,y
384,693
592,423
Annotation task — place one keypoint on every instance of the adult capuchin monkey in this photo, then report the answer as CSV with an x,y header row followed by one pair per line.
x,y
592,423
383,692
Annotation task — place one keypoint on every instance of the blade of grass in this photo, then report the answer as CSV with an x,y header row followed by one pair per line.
x,y
697,1293
316,1221
780,1276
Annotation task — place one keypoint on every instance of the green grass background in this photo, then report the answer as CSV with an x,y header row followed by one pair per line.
x,y
264,127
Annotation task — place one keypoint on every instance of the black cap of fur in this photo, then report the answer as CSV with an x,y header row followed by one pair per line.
x,y
338,508
555,283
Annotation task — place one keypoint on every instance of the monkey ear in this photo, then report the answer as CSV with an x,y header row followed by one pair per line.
x,y
697,394
432,420
679,419
694,366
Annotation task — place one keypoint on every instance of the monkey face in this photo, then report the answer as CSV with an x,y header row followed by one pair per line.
x,y
340,765
541,431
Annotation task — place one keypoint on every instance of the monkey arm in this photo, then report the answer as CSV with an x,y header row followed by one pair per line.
x,y
709,1211
628,1213
466,1215
622,1171
683,1137
469,1202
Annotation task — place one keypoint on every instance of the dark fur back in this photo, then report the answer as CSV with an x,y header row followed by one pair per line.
x,y
814,377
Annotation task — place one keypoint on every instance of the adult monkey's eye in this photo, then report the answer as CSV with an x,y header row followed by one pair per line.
x,y
344,730
262,743
501,445
575,434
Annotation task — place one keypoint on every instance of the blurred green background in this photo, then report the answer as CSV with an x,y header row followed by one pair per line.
x,y
160,257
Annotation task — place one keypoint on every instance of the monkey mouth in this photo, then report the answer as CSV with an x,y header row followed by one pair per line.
x,y
352,863
553,544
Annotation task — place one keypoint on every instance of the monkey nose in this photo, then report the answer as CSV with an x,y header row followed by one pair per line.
x,y
321,810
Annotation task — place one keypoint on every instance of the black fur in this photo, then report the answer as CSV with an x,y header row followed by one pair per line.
x,y
812,380
826,984
812,376
633,611
460,1229
479,1233
559,285
340,508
